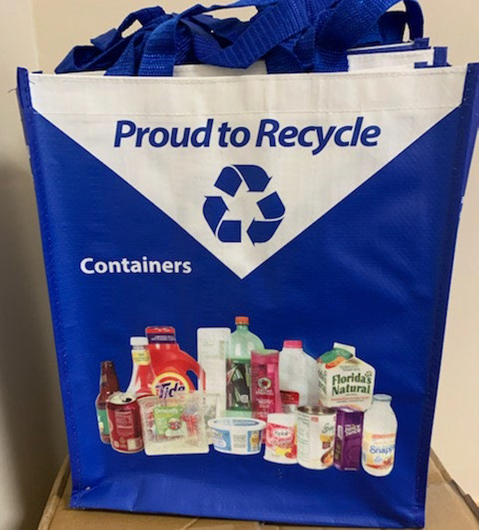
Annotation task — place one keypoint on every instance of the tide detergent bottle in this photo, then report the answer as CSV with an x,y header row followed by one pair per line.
x,y
170,364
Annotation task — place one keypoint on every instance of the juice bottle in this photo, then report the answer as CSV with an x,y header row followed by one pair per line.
x,y
379,437
143,376
238,369
108,386
265,396
170,364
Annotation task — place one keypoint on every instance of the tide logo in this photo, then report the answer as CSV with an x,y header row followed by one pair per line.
x,y
166,385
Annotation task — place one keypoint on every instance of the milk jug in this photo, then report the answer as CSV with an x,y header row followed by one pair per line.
x,y
379,437
298,377
345,380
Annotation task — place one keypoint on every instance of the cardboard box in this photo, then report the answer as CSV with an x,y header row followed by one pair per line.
x,y
448,508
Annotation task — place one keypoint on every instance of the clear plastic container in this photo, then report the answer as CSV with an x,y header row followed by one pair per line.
x,y
175,425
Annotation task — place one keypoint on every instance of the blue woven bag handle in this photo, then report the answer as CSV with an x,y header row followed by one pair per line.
x,y
344,25
291,35
109,48
351,19
276,21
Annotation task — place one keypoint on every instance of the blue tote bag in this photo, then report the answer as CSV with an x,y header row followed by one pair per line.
x,y
301,173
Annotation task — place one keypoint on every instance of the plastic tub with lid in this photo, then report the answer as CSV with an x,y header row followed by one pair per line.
x,y
237,436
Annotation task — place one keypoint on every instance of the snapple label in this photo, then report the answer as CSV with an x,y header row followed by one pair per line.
x,y
345,380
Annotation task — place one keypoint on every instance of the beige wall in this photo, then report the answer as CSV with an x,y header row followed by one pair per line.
x,y
456,429
32,439
31,425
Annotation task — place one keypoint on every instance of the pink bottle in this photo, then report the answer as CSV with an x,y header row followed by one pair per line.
x,y
265,394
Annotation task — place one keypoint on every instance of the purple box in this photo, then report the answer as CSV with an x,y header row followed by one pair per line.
x,y
347,445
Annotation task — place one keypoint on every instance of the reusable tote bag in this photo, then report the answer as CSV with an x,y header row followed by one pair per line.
x,y
189,223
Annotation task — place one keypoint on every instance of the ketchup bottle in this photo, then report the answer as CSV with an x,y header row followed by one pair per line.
x,y
108,385
143,376
170,364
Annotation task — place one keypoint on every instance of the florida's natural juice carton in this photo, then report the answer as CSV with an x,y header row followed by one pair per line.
x,y
345,380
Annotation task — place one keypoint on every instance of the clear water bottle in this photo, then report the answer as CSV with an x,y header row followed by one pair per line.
x,y
238,369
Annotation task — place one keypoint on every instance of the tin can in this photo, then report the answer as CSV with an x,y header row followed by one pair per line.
x,y
316,429
125,424
349,434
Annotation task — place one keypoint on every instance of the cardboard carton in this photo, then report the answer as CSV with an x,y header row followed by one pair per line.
x,y
448,508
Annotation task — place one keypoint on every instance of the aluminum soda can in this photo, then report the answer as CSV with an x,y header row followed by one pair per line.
x,y
315,438
349,434
124,421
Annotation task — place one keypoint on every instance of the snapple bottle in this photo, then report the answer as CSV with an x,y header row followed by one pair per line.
x,y
170,364
108,386
238,369
379,437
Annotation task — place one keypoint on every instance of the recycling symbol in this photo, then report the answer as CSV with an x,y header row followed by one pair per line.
x,y
251,179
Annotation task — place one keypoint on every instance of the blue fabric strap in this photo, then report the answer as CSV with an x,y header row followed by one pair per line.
x,y
351,19
276,22
108,49
291,36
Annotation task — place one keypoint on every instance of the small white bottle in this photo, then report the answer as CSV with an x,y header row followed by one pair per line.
x,y
298,377
379,437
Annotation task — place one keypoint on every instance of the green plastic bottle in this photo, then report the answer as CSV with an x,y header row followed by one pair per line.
x,y
238,369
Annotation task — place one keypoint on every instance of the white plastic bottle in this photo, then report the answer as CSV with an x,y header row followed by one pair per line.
x,y
298,377
379,437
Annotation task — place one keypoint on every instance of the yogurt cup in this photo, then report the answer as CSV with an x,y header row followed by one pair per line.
x,y
281,439
237,436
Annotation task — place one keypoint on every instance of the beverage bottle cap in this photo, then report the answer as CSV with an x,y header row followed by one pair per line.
x,y
242,320
382,398
138,341
293,344
106,364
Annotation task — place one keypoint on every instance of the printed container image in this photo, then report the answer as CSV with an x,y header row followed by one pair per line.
x,y
238,436
124,423
281,439
348,439
316,431
345,380
379,437
175,425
